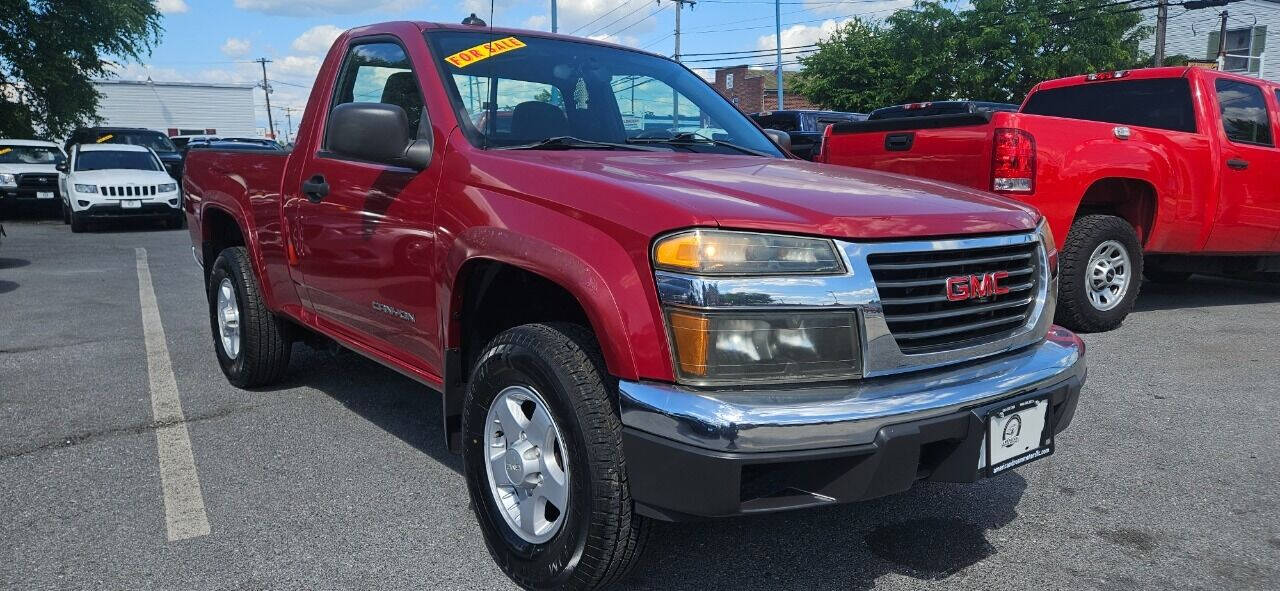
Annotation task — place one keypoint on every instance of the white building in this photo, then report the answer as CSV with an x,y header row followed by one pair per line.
x,y
1253,27
179,108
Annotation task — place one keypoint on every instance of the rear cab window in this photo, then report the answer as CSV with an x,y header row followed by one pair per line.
x,y
1243,106
1162,103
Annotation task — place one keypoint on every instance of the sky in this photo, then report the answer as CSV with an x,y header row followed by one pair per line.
x,y
216,40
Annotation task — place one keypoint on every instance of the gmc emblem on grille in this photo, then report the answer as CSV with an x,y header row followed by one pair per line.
x,y
967,287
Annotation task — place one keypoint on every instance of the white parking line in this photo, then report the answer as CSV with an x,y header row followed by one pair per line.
x,y
184,513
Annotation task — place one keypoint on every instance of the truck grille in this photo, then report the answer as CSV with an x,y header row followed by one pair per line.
x,y
913,291
129,191
38,180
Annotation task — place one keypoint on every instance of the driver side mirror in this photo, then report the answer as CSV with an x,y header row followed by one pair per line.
x,y
61,167
782,138
376,132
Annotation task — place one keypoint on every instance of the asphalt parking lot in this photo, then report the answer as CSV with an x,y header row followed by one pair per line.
x,y
339,479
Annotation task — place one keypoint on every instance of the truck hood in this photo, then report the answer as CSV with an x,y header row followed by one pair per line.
x,y
22,168
796,196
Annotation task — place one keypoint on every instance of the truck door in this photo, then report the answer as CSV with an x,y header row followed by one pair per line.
x,y
1248,216
364,230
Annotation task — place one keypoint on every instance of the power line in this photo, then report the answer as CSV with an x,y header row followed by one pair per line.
x,y
597,19
767,51
729,59
619,19
646,17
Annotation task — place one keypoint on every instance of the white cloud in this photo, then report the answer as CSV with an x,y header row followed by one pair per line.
x,y
295,66
316,39
171,6
235,47
537,22
799,36
628,40
321,7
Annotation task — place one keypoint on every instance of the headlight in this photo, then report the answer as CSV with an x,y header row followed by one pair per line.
x,y
1050,246
8,180
86,188
716,347
168,187
717,252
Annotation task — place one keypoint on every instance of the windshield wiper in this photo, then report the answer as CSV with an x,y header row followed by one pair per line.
x,y
689,137
568,142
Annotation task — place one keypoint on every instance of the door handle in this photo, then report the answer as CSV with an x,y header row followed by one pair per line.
x,y
899,142
315,188
1238,164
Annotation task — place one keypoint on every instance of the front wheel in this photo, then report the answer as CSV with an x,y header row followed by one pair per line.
x,y
1101,271
544,462
78,223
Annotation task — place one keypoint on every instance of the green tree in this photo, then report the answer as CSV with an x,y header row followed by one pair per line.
x,y
992,50
51,50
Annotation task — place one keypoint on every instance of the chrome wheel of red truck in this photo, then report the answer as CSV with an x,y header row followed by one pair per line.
x,y
543,459
1100,265
253,345
527,473
1109,275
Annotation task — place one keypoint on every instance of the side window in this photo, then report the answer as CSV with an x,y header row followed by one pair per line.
x,y
380,73
1244,112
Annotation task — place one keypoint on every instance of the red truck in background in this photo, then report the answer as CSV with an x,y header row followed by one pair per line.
x,y
1159,172
627,323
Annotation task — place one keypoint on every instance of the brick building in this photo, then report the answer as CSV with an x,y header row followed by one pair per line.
x,y
754,90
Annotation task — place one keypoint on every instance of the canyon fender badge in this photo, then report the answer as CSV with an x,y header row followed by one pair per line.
x,y
397,312
484,51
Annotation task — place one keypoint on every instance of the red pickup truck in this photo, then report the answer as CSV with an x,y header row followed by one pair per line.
x,y
1159,172
626,321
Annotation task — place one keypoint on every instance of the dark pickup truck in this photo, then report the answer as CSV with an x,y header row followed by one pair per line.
x,y
626,324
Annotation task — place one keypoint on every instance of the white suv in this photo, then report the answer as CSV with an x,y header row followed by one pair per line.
x,y
115,181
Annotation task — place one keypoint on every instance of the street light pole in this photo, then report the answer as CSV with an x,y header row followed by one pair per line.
x,y
675,96
553,16
777,30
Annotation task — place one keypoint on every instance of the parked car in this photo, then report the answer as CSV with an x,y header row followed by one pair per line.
x,y
28,179
928,109
233,143
804,127
180,141
629,328
1158,172
117,181
153,140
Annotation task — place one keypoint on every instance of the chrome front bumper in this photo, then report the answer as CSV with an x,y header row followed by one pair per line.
x,y
837,415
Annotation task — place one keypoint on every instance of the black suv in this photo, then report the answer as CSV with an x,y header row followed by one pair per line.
x,y
137,136
805,127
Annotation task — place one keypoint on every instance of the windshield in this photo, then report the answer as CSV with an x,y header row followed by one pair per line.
x,y
537,88
116,160
154,140
30,155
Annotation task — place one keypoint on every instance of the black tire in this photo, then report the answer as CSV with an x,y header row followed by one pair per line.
x,y
1075,310
601,537
265,341
175,221
66,214
1157,275
78,223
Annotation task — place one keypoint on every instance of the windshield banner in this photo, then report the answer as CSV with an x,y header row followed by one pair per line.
x,y
484,51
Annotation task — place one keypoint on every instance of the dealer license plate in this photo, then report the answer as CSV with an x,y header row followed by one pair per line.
x,y
44,194
131,204
1016,434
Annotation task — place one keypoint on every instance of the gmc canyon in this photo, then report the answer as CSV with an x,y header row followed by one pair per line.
x,y
626,323
1159,172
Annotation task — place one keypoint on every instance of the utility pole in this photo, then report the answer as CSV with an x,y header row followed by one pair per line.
x,y
553,16
266,90
1162,21
777,33
288,116
675,96
1222,42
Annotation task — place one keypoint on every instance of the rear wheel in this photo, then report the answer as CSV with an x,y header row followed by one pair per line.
x,y
1101,268
544,462
252,344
